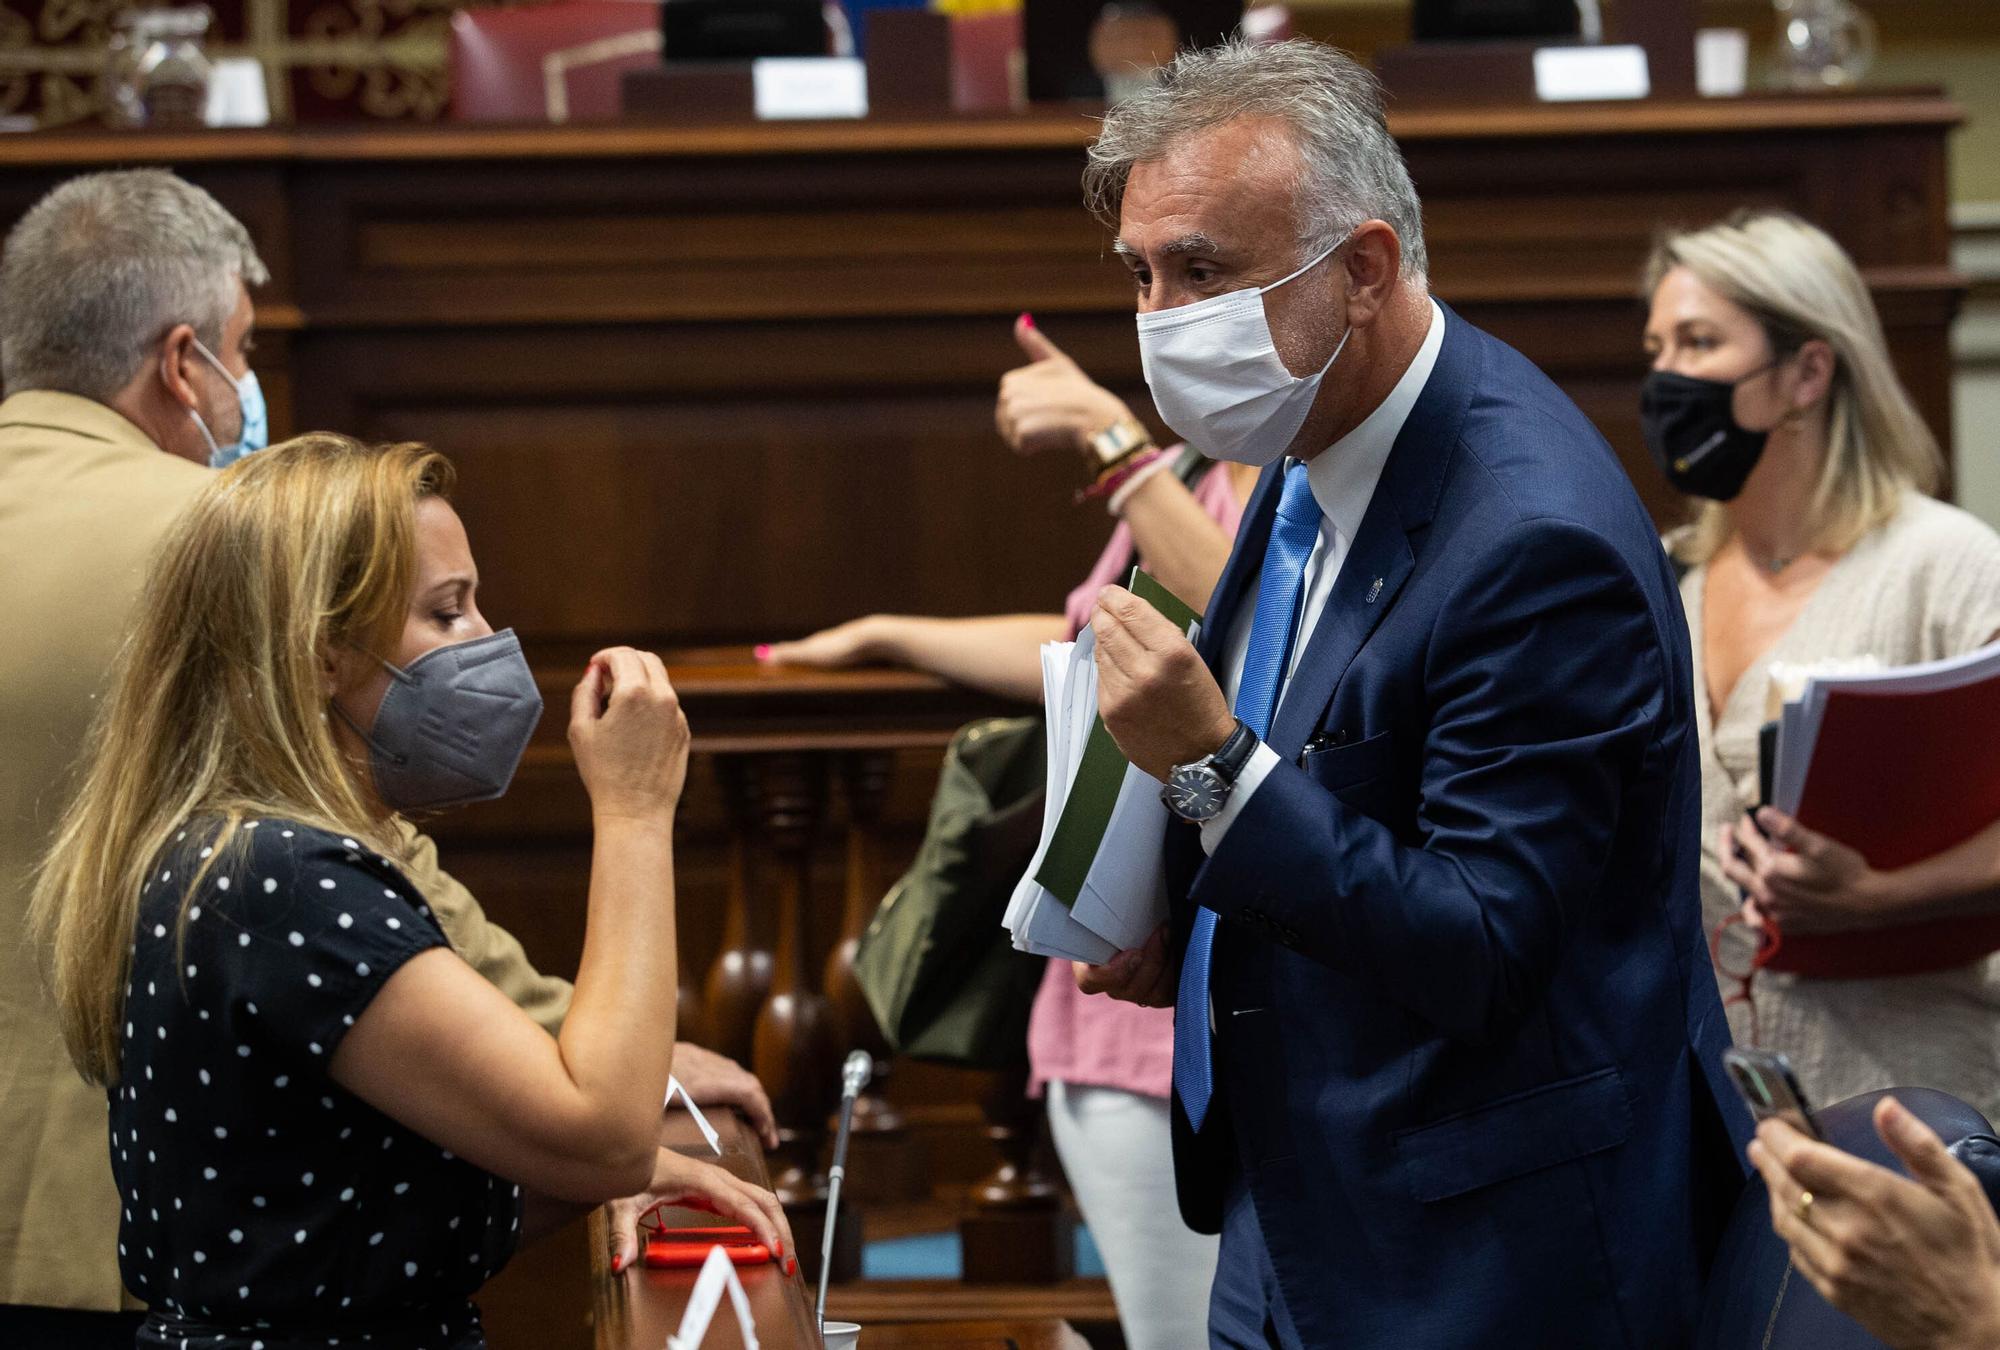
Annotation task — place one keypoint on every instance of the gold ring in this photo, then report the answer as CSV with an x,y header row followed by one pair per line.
x,y
1802,1208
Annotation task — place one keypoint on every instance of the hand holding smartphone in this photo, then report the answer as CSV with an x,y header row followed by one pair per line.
x,y
1770,1089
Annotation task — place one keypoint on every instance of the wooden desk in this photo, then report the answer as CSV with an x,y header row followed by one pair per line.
x,y
642,1307
1038,1334
639,1309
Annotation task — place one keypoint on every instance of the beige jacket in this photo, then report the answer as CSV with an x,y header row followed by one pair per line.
x,y
84,499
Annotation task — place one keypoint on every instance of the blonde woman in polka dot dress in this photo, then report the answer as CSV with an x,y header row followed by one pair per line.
x,y
326,1127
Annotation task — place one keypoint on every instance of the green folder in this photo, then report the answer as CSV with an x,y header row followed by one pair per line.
x,y
1100,775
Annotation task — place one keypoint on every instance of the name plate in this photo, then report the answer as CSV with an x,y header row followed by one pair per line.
x,y
1576,74
809,86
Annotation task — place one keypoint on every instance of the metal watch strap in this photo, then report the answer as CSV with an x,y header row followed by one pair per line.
x,y
1118,442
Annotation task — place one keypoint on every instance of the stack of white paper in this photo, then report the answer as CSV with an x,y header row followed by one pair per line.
x,y
1096,885
1039,922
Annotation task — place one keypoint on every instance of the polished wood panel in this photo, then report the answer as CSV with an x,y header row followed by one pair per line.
x,y
876,1302
640,1309
760,358
643,1307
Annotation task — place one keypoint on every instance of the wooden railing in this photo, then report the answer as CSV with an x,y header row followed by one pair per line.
x,y
640,1308
806,797
785,743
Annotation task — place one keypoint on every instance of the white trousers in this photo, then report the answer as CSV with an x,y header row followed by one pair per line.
x,y
1117,1148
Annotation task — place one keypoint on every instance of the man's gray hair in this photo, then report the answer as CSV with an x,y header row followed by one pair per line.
x,y
1353,170
97,272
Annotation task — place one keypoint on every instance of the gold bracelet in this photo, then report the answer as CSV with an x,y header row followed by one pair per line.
x,y
1118,442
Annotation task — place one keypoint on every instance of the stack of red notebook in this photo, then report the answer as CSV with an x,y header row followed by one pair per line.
x,y
1899,765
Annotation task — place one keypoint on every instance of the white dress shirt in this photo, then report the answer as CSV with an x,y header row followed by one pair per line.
x,y
1343,478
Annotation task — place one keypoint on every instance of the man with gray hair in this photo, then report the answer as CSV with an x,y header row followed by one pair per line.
x,y
131,291
125,323
1446,1045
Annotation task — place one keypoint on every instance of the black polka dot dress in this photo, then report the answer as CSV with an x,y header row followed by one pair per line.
x,y
264,1207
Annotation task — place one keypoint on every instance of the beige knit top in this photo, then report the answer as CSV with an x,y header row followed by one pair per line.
x,y
1923,586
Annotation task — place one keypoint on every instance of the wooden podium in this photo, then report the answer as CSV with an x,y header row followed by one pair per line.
x,y
640,1309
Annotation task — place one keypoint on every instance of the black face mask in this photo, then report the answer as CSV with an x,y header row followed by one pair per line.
x,y
1693,434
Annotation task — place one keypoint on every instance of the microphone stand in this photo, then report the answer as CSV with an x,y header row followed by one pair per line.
x,y
854,1076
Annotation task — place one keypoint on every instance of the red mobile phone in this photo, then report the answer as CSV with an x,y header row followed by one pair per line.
x,y
723,1235
662,1254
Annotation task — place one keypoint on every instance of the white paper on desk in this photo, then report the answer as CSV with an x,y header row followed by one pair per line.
x,y
718,1273
809,86
1574,74
700,1120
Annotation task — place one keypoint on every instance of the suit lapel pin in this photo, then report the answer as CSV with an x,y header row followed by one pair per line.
x,y
1374,590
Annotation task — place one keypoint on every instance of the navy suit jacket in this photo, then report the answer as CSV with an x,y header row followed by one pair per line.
x,y
1468,1040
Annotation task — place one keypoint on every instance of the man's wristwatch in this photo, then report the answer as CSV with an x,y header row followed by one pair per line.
x,y
1198,791
1117,442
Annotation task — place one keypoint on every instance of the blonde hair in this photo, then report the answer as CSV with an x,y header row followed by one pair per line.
x,y
1801,286
217,705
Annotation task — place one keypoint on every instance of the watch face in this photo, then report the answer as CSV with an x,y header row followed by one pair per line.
x,y
1195,792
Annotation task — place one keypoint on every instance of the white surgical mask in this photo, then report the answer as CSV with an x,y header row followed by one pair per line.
x,y
1217,378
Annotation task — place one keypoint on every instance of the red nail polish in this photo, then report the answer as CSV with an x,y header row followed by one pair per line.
x,y
1026,320
791,1265
763,651
617,1263
778,1250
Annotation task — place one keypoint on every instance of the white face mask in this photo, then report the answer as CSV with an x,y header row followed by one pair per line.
x,y
1217,379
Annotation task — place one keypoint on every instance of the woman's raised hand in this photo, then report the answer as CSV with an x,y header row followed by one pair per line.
x,y
1050,404
629,736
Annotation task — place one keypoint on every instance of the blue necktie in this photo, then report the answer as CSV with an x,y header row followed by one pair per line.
x,y
1293,535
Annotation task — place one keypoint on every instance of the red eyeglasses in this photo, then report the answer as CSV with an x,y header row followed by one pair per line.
x,y
1769,940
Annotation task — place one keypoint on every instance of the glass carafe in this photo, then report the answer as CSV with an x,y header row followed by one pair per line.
x,y
1822,44
156,72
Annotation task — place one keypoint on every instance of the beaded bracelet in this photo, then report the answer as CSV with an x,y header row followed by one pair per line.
x,y
1123,494
1109,483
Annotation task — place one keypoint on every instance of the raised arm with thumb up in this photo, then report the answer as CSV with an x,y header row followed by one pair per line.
x,y
1050,404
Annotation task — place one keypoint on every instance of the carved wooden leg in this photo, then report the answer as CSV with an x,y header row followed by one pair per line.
x,y
1015,1229
739,981
796,1054
884,1164
690,1020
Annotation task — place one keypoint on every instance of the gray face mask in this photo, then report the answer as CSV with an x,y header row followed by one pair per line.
x,y
453,725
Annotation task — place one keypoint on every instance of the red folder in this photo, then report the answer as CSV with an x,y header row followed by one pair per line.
x,y
1898,777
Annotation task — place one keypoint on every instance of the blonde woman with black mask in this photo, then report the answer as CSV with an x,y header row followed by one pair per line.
x,y
1772,399
325,1124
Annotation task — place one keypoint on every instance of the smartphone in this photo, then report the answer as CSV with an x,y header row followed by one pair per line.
x,y
667,1255
1770,1089
712,1234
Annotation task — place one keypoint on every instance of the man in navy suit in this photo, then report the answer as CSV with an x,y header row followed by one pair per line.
x,y
1446,1043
